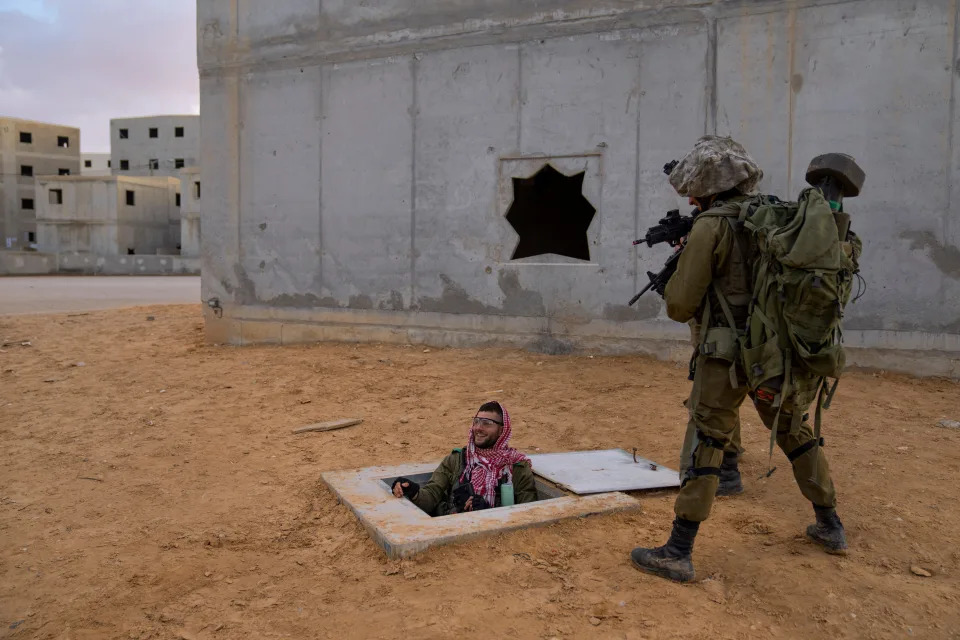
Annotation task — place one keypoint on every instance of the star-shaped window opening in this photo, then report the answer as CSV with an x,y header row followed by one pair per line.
x,y
551,215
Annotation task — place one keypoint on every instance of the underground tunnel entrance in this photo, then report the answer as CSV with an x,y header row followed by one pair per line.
x,y
545,491
402,529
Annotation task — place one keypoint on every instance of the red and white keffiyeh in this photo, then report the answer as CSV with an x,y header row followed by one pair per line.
x,y
485,467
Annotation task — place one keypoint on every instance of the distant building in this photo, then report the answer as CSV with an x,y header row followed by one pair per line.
x,y
154,145
95,164
107,215
189,201
29,149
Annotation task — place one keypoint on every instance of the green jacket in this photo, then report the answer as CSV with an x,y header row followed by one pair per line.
x,y
436,496
712,255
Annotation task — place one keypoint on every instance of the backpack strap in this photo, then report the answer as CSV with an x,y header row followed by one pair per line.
x,y
690,437
728,315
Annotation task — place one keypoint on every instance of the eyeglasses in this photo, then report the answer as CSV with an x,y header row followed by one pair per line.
x,y
485,421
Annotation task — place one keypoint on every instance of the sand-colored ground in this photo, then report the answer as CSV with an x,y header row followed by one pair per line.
x,y
157,492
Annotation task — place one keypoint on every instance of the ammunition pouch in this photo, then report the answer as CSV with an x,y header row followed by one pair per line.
x,y
720,343
762,363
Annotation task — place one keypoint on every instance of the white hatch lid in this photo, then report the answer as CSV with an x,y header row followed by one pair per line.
x,y
585,472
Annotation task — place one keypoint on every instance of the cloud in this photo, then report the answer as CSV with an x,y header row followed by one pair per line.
x,y
81,63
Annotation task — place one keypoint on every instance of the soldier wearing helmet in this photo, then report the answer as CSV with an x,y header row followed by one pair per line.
x,y
712,290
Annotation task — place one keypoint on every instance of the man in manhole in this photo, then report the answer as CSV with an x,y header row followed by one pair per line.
x,y
486,473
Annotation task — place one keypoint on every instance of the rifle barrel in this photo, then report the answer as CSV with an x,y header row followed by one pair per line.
x,y
642,291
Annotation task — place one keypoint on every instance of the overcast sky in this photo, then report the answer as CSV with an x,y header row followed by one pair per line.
x,y
82,62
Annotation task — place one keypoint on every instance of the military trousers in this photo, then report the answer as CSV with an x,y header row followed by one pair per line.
x,y
716,417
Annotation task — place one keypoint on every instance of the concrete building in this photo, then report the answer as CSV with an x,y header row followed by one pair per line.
x,y
29,149
189,201
95,164
106,215
359,160
154,145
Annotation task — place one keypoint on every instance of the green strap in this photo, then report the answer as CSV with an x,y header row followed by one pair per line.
x,y
690,437
785,391
728,315
829,397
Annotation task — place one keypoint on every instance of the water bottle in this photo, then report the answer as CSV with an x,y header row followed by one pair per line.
x,y
506,494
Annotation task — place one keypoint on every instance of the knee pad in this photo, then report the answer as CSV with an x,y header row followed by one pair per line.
x,y
706,459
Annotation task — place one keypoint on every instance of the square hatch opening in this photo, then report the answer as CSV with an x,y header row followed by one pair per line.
x,y
402,529
545,490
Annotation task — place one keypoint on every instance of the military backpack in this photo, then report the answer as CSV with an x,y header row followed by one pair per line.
x,y
804,264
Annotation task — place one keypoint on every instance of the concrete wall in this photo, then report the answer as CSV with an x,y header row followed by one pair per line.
x,y
190,197
358,160
45,156
94,216
138,148
23,263
99,164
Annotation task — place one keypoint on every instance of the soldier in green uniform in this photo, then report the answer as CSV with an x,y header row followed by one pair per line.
x,y
718,176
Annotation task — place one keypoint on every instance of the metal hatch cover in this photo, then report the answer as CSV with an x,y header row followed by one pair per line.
x,y
584,472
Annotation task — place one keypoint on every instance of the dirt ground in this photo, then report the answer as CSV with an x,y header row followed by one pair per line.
x,y
156,491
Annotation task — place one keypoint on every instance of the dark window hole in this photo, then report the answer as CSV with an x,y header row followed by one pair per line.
x,y
551,215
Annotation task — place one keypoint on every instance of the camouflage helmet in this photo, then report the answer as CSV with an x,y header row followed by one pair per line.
x,y
716,164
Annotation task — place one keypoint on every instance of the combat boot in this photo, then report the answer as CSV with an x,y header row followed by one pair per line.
x,y
828,531
730,483
673,560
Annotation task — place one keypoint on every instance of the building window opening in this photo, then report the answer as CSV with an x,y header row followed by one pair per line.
x,y
109,163
56,196
124,165
551,215
26,203
178,199
131,199
26,137
31,236
63,172
87,164
26,170
153,132
178,163
131,252
196,190
63,142
178,132
154,164
124,134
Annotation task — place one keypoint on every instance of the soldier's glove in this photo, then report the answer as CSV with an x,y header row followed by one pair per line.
x,y
409,487
460,496
479,502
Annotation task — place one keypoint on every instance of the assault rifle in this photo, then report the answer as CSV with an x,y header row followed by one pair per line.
x,y
672,229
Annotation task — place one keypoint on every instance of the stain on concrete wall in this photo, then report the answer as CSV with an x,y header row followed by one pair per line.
x,y
355,154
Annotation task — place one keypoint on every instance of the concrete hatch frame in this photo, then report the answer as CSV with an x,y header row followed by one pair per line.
x,y
402,529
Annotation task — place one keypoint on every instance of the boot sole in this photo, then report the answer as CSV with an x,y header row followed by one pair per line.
x,y
831,550
661,573
729,492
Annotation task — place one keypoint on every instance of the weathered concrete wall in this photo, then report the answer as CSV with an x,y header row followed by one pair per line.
x,y
94,216
138,148
358,160
29,263
190,198
45,155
